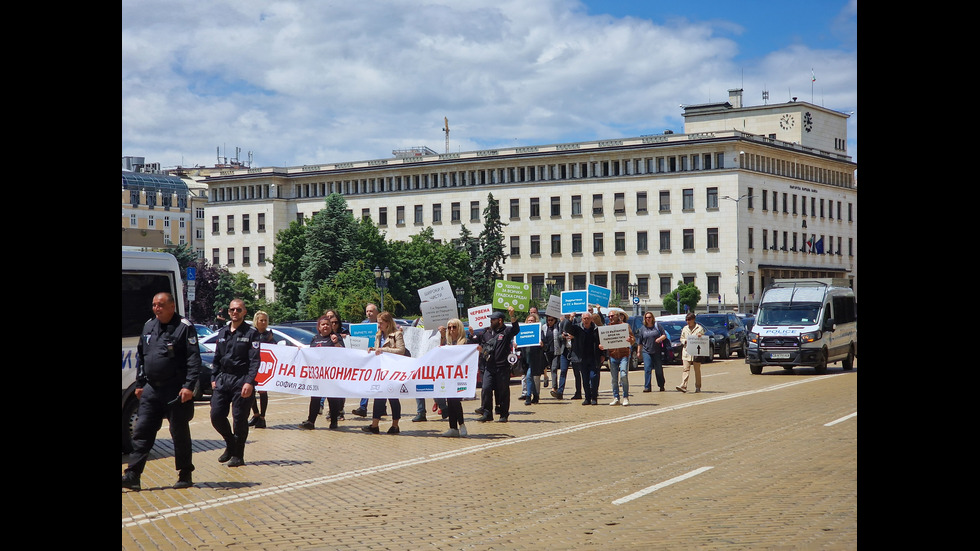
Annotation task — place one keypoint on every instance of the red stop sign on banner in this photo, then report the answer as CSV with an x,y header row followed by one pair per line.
x,y
267,366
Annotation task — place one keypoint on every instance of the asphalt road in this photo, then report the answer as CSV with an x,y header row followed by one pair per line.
x,y
754,461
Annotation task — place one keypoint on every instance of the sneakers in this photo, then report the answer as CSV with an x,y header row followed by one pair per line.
x,y
183,480
371,429
360,412
626,401
614,402
451,433
306,425
681,389
393,430
131,481
236,462
418,418
462,430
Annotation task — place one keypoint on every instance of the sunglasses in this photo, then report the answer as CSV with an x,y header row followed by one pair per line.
x,y
234,309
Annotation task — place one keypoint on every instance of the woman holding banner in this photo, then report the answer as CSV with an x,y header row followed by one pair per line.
x,y
452,334
326,336
389,339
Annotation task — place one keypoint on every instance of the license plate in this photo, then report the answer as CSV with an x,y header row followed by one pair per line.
x,y
780,356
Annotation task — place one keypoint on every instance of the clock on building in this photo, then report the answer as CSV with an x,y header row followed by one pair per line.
x,y
786,122
807,121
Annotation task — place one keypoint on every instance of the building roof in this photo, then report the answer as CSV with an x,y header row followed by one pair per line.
x,y
157,182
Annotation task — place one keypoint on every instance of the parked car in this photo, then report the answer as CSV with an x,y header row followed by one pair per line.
x,y
674,324
203,389
748,320
310,325
729,333
284,334
202,330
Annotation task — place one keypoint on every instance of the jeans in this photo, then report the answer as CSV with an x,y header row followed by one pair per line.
x,y
655,363
619,370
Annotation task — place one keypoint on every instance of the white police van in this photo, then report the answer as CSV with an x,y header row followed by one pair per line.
x,y
804,322
144,274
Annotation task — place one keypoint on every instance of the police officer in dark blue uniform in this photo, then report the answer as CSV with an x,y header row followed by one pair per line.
x,y
495,346
167,366
236,364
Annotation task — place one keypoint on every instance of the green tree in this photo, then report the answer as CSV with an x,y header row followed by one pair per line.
x,y
204,306
347,292
185,256
423,261
689,295
329,244
287,270
492,256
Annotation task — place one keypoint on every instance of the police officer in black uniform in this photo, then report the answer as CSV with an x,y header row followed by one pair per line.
x,y
167,367
495,346
236,364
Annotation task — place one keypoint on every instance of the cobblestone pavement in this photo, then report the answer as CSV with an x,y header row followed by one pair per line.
x,y
753,462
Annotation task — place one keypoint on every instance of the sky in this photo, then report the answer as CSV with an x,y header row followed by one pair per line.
x,y
298,82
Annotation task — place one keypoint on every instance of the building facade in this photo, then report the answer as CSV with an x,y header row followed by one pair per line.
x,y
160,211
744,195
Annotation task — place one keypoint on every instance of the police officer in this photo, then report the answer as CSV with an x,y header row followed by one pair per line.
x,y
495,346
167,367
236,364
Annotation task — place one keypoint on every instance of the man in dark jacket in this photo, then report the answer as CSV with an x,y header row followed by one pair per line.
x,y
586,354
495,346
236,364
167,366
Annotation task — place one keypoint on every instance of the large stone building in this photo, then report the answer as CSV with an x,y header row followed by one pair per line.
x,y
160,210
770,189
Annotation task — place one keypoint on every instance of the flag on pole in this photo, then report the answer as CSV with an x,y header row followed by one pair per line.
x,y
813,77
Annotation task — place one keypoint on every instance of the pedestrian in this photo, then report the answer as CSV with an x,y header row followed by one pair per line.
x,y
495,345
619,361
553,347
534,363
649,339
566,359
236,364
586,353
692,329
389,339
326,336
370,316
452,334
260,321
168,364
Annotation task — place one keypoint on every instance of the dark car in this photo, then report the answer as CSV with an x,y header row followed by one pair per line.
x,y
673,330
203,389
748,320
729,333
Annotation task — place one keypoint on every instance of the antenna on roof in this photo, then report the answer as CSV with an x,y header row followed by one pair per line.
x,y
446,130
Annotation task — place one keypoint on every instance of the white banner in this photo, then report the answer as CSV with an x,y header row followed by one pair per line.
x,y
443,372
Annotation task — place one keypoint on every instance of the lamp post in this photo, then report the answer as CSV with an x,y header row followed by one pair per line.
x,y
381,282
738,250
634,290
459,301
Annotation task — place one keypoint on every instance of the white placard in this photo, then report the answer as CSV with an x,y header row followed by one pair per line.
x,y
554,307
439,291
479,316
438,312
614,336
698,346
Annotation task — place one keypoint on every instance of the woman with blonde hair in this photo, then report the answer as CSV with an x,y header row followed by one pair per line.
x,y
454,333
389,339
261,323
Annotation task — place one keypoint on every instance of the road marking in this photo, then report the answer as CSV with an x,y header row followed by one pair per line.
x,y
161,514
844,418
663,484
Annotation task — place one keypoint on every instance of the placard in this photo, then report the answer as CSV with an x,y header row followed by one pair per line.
x,y
599,296
698,346
554,307
439,291
365,330
479,316
438,312
529,335
574,302
614,336
511,293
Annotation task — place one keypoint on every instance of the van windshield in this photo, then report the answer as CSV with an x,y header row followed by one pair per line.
x,y
803,313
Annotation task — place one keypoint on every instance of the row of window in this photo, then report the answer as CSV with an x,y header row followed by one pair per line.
x,y
622,289
149,198
246,223
151,221
796,204
800,242
230,259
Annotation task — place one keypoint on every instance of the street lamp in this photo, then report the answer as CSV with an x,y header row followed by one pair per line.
x,y
738,251
381,282
634,290
459,301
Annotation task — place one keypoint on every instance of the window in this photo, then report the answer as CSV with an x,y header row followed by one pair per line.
x,y
751,197
712,198
578,282
643,286
133,222
261,221
474,211
535,245
198,233
199,213
689,239
383,216
535,208
515,209
576,243
418,214
231,223
664,201
641,202
400,216
597,244
246,256
436,213
751,239
261,255
515,245
245,224
365,214
619,242
665,285
712,238
231,256
619,203
576,205
214,224
455,212
641,241
688,199
215,259
555,244
597,204
664,240
556,207
765,200
712,285
150,222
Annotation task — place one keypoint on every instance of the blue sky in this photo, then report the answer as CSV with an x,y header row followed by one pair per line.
x,y
304,81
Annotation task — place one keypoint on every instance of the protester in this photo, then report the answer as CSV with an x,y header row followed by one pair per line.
x,y
370,316
619,361
391,340
260,321
692,329
449,335
587,356
649,339
534,362
326,336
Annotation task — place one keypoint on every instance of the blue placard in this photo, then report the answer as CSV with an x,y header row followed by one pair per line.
x,y
529,335
364,330
574,302
599,296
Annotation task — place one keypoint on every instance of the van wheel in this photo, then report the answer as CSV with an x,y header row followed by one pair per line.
x,y
756,369
848,362
129,417
821,366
